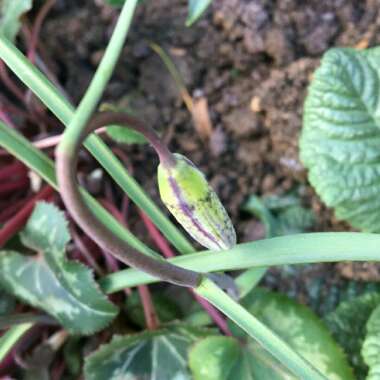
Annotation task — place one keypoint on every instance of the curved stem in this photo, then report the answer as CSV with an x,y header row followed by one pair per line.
x,y
66,160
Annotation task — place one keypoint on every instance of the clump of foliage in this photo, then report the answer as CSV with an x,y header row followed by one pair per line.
x,y
266,334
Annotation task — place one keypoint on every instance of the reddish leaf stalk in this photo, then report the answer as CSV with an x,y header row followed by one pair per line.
x,y
9,211
11,170
164,247
151,318
42,13
16,223
4,75
84,252
8,187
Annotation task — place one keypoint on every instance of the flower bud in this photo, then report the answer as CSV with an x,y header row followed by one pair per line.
x,y
188,196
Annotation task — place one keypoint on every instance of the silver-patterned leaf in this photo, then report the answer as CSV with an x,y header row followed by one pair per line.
x,y
151,355
64,289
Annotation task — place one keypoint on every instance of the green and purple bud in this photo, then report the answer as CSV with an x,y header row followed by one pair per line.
x,y
188,196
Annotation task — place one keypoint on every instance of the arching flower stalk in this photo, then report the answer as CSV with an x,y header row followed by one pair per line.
x,y
183,189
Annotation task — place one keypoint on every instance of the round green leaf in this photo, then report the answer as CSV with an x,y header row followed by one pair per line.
x,y
341,136
160,354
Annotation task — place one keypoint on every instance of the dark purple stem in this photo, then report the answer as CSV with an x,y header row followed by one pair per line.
x,y
66,162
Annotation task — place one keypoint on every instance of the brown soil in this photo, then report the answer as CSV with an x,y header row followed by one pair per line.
x,y
252,60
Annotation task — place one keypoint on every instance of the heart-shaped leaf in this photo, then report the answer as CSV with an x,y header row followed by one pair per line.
x,y
371,345
341,135
64,289
348,326
223,358
160,354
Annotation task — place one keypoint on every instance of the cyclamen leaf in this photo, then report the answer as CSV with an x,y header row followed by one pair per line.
x,y
64,289
280,215
341,135
160,354
348,326
10,13
371,345
293,322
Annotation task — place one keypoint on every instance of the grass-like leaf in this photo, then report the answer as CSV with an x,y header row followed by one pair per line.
x,y
64,111
10,13
64,289
196,9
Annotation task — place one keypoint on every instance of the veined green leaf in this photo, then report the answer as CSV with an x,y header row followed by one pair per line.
x,y
341,135
371,345
64,289
280,215
294,323
160,354
10,13
226,358
348,326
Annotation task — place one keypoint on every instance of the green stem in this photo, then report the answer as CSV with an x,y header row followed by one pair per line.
x,y
291,249
10,338
270,341
101,77
64,111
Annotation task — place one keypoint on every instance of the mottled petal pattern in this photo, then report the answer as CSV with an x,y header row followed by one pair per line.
x,y
188,196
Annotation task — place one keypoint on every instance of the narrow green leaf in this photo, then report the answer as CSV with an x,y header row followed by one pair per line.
x,y
160,354
120,134
125,136
10,13
195,10
64,111
341,135
64,289
10,338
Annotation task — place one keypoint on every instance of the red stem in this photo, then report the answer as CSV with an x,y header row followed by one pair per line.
x,y
17,92
151,319
11,170
84,252
9,211
4,117
6,188
15,224
42,13
164,247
